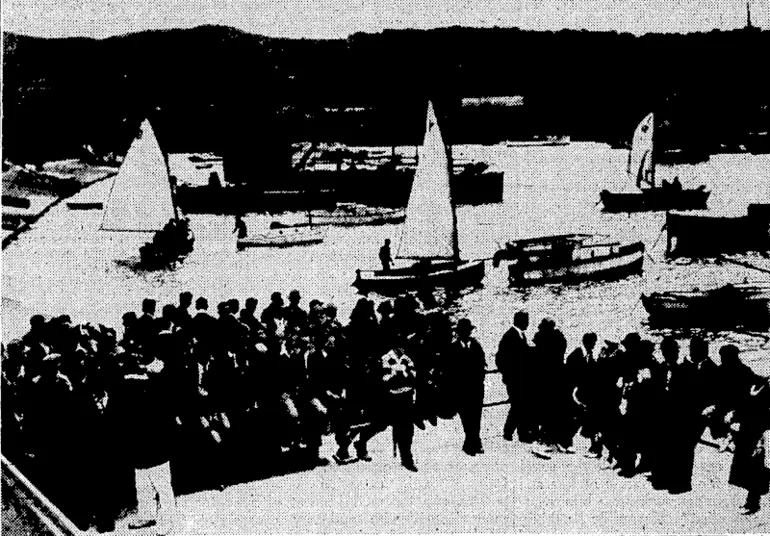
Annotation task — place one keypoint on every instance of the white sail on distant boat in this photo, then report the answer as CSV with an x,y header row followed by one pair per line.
x,y
429,233
641,169
141,198
640,157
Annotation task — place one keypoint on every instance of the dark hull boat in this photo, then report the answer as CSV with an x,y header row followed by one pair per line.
x,y
730,306
655,199
444,274
429,232
569,259
705,236
641,167
85,205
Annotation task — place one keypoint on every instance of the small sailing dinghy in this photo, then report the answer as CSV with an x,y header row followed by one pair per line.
x,y
651,197
142,200
429,233
729,306
282,236
569,258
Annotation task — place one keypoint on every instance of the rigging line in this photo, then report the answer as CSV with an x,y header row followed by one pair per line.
x,y
659,235
744,264
647,253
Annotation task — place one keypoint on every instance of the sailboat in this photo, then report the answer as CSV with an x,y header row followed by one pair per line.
x,y
142,200
429,232
641,168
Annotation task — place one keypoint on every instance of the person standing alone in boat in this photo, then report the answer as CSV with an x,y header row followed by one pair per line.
x,y
240,227
385,257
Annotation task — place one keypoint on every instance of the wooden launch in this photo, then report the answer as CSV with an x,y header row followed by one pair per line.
x,y
429,233
730,306
352,214
651,197
282,237
570,258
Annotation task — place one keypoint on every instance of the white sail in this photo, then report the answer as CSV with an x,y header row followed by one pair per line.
x,y
140,198
429,231
641,166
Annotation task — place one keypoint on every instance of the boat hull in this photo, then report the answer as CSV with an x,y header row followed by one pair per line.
x,y
375,217
703,236
724,308
586,263
283,238
550,142
440,275
85,205
655,199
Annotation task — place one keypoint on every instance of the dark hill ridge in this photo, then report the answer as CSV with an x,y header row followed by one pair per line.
x,y
222,89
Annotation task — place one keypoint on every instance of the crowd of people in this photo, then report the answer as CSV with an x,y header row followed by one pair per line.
x,y
92,415
645,415
101,420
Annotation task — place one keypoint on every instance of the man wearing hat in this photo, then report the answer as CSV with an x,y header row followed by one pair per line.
x,y
467,372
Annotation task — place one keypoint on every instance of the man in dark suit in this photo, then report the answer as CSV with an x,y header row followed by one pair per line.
x,y
183,316
581,375
296,316
146,412
273,312
512,359
146,324
467,381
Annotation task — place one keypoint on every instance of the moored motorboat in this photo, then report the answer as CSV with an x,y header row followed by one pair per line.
x,y
729,306
284,237
570,258
352,214
651,197
429,232
655,199
550,141
704,235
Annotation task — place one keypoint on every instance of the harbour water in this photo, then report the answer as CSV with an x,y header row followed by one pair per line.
x,y
65,265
